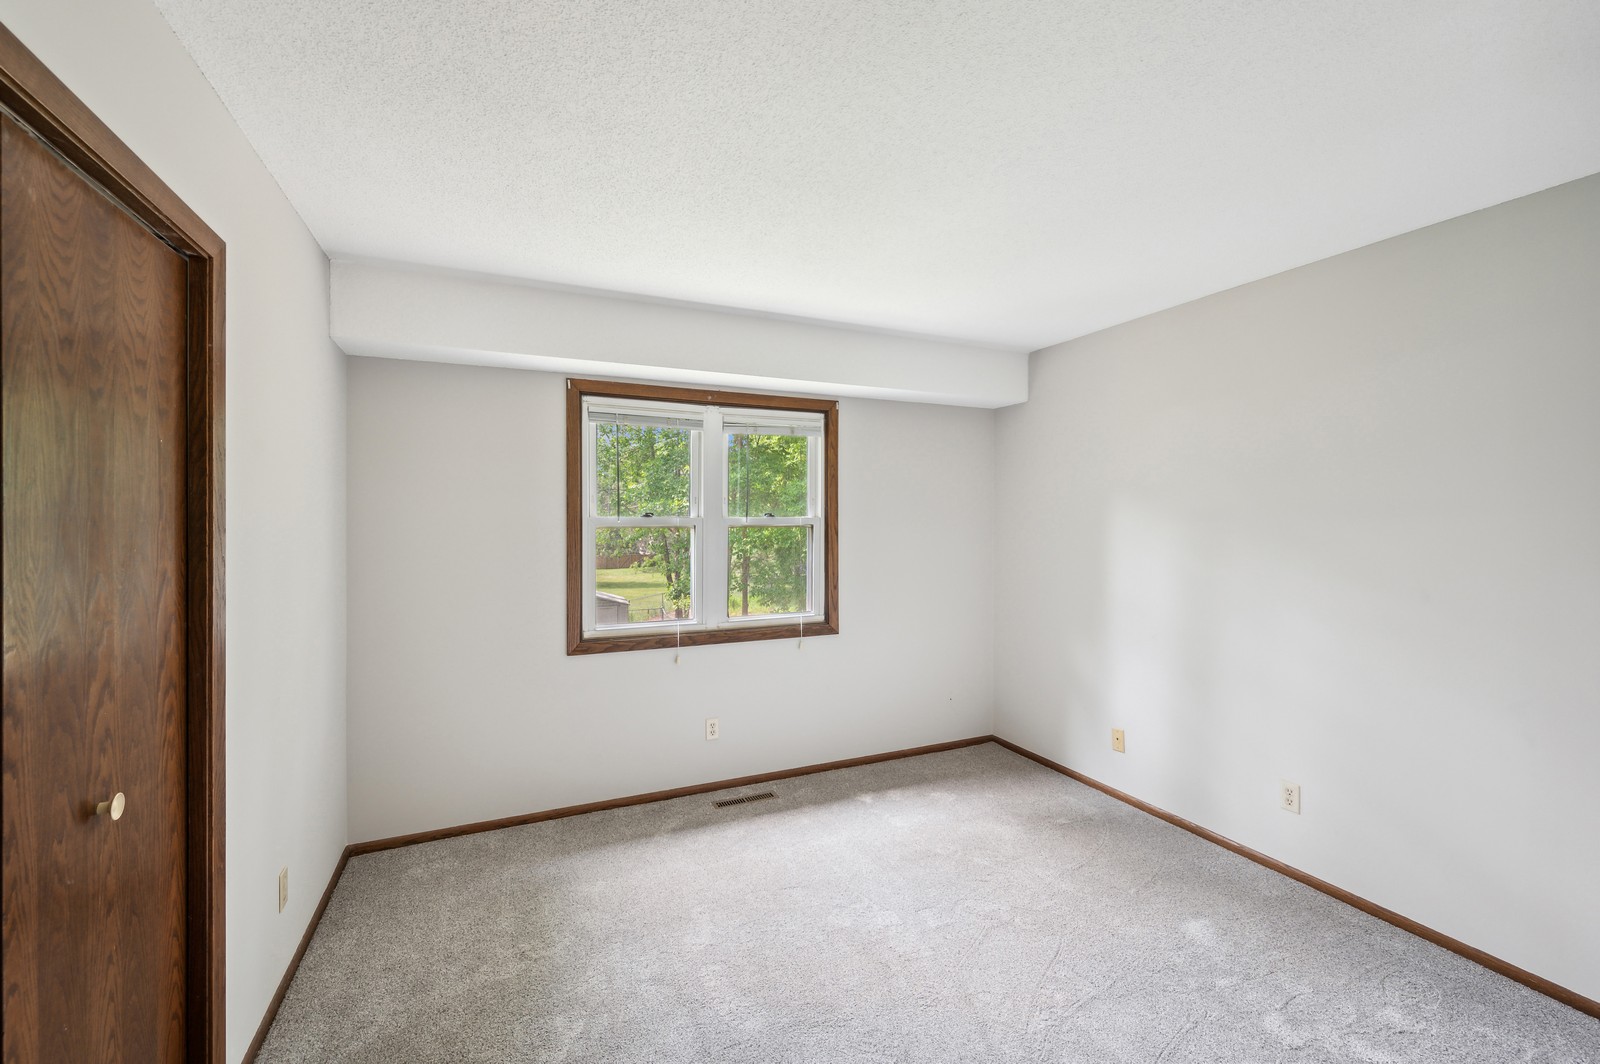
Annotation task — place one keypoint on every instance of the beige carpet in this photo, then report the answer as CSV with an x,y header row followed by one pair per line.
x,y
963,906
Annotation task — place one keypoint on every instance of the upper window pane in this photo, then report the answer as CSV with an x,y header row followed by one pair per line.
x,y
769,475
641,469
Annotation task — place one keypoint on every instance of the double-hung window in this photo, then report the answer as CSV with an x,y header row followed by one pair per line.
x,y
698,517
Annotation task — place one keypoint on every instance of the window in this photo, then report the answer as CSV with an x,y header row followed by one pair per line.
x,y
698,517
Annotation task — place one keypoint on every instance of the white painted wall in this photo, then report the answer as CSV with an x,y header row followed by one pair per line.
x,y
285,474
463,703
1340,526
400,311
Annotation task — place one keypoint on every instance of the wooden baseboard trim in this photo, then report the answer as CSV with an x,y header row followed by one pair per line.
x,y
294,962
1570,998
1544,986
357,849
373,846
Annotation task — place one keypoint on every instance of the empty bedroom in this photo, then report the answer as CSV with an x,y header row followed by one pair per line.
x,y
843,532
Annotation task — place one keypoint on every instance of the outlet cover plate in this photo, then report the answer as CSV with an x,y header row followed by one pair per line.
x,y
1289,797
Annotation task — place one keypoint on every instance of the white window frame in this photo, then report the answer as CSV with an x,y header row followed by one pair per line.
x,y
707,518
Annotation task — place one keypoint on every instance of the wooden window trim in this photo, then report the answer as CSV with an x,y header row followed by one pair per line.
x,y
577,643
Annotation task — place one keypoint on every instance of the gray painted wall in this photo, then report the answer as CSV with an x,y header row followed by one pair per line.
x,y
1342,527
463,703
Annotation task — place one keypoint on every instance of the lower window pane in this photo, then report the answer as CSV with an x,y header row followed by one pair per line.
x,y
767,570
642,575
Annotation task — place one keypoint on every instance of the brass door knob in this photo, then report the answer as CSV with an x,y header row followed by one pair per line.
x,y
118,802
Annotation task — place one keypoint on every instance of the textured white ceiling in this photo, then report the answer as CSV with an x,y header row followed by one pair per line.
x,y
1016,172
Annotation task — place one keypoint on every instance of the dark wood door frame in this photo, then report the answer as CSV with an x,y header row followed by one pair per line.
x,y
39,100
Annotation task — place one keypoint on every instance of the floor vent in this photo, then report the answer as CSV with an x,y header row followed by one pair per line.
x,y
764,795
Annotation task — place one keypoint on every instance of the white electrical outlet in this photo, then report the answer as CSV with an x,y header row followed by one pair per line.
x,y
713,729
283,889
1289,796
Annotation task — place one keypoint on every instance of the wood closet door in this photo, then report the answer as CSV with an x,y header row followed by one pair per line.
x,y
93,435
